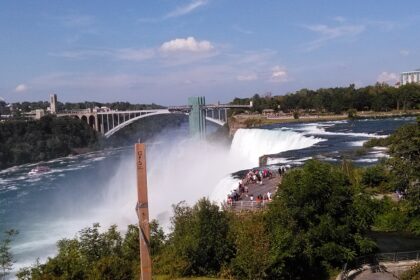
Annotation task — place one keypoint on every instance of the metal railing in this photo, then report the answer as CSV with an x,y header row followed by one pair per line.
x,y
375,259
242,205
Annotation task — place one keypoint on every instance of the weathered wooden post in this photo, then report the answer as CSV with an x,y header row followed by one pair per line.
x,y
142,210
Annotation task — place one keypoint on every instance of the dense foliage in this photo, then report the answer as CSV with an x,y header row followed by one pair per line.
x,y
401,174
199,243
50,137
380,97
6,257
315,224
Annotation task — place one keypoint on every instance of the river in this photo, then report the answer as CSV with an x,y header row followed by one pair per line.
x,y
100,187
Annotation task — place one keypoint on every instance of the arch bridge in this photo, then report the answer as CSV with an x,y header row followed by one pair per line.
x,y
109,122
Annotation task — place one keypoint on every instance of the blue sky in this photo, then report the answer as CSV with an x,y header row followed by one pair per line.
x,y
163,51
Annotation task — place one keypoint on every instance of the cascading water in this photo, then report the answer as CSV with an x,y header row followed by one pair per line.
x,y
253,143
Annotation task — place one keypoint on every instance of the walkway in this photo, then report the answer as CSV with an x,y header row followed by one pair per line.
x,y
254,190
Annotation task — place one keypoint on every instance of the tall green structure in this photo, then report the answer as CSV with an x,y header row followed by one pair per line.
x,y
197,119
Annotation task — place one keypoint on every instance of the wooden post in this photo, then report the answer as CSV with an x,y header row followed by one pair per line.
x,y
142,210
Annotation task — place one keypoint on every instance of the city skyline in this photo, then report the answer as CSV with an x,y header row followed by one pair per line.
x,y
164,51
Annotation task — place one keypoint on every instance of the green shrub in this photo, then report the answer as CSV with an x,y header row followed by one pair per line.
x,y
412,274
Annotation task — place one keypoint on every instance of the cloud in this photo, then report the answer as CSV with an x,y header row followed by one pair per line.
x,y
74,20
404,52
389,78
186,9
81,54
21,88
339,19
247,77
242,30
129,54
278,74
189,44
134,54
329,33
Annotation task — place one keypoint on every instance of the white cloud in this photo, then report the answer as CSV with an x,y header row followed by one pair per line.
x,y
189,44
389,78
75,20
339,19
183,10
134,54
21,88
404,52
118,54
242,30
81,54
278,74
247,77
329,33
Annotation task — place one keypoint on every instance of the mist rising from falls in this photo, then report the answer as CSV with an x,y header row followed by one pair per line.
x,y
188,169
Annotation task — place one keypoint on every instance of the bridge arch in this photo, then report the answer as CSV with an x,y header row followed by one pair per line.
x,y
159,112
130,121
91,121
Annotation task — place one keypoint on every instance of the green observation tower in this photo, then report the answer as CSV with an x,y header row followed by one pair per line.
x,y
197,119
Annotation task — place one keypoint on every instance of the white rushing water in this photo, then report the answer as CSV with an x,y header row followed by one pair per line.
x,y
253,143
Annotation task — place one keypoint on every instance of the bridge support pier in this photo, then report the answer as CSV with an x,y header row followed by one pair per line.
x,y
197,119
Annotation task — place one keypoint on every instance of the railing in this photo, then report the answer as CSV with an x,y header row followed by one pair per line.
x,y
246,205
375,259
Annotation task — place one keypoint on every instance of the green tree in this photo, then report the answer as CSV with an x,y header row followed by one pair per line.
x,y
252,243
199,243
6,257
313,223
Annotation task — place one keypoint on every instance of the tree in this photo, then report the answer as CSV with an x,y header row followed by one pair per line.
x,y
313,223
252,243
6,257
199,243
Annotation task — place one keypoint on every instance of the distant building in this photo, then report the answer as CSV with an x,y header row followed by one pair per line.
x,y
53,103
410,77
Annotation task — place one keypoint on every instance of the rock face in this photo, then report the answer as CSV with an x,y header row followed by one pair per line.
x,y
234,126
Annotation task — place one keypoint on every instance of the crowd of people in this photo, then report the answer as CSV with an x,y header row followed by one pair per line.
x,y
253,177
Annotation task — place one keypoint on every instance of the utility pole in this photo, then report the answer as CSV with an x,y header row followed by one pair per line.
x,y
142,210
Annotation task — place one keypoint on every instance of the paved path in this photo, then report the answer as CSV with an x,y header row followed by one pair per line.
x,y
268,185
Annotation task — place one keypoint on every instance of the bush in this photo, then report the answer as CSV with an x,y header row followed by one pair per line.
x,y
199,244
412,274
351,113
374,176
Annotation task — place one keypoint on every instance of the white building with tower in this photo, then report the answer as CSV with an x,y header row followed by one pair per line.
x,y
410,77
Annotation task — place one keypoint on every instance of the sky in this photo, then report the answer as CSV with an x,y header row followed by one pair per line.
x,y
164,51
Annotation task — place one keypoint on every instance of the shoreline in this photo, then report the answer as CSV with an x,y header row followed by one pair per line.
x,y
259,120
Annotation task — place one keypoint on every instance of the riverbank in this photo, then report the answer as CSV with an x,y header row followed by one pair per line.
x,y
257,120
